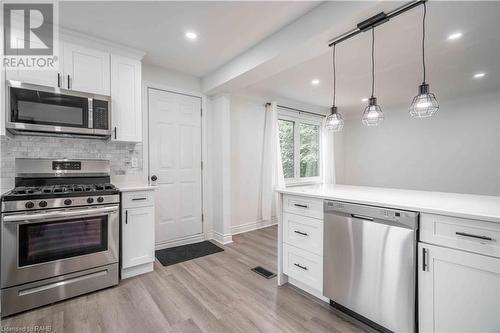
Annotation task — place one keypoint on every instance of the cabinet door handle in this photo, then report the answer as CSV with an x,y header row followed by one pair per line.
x,y
58,80
425,265
473,236
301,267
137,199
301,205
126,217
115,132
69,85
301,233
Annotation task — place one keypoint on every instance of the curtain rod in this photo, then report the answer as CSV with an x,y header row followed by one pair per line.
x,y
375,20
301,111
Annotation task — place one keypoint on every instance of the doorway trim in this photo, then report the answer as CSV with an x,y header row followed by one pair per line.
x,y
206,223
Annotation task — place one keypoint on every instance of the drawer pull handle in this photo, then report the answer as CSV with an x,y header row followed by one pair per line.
x,y
301,233
137,199
425,265
474,236
301,205
301,267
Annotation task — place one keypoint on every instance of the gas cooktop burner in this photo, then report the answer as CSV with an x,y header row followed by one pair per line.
x,y
62,190
71,188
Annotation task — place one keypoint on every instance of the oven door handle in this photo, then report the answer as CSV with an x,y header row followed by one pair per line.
x,y
41,217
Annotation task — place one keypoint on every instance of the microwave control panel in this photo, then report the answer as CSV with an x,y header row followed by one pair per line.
x,y
100,114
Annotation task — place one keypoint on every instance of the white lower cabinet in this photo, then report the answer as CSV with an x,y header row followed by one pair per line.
x,y
458,291
137,230
303,266
302,247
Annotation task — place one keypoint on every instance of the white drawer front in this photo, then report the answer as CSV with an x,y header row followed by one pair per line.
x,y
137,199
303,232
303,266
470,235
311,207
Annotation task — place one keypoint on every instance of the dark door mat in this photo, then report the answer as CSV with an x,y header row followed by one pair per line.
x,y
175,255
264,272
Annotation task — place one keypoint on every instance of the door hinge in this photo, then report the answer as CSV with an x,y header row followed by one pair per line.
x,y
202,218
201,165
201,112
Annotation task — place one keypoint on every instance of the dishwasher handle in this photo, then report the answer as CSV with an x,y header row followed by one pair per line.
x,y
362,217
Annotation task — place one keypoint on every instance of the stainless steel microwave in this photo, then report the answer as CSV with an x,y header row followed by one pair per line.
x,y
33,109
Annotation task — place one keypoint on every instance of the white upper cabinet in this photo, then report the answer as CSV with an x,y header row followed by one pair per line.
x,y
46,77
86,69
49,78
126,99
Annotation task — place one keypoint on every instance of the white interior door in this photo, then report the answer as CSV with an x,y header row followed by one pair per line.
x,y
175,161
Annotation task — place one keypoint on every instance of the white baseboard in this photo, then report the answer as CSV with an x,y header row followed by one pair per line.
x,y
316,293
238,229
180,241
137,270
222,238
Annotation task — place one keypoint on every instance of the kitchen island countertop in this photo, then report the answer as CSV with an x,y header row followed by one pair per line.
x,y
470,206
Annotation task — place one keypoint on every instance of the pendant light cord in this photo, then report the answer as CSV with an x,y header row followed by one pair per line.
x,y
373,60
334,76
423,40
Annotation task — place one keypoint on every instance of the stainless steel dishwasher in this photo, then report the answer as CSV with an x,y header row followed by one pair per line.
x,y
369,264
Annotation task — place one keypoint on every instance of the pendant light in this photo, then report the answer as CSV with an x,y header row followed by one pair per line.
x,y
335,121
372,116
425,103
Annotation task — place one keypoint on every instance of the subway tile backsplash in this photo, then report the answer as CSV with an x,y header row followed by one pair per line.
x,y
120,154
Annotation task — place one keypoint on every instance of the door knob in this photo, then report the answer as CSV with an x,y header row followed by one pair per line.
x,y
154,178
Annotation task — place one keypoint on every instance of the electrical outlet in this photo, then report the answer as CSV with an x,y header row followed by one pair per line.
x,y
134,162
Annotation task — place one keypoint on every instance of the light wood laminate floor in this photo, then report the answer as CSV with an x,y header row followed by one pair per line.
x,y
216,293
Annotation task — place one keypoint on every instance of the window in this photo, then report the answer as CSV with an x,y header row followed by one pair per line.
x,y
300,142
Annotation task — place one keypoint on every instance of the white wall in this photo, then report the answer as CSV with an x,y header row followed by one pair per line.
x,y
455,151
219,132
170,78
247,134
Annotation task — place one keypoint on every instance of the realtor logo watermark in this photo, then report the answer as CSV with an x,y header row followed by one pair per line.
x,y
31,39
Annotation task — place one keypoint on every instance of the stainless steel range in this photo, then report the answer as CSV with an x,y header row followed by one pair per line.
x,y
59,232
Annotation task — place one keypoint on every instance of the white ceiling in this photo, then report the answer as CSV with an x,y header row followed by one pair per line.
x,y
450,64
225,29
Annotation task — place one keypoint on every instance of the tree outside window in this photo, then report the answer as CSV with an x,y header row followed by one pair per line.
x,y
300,143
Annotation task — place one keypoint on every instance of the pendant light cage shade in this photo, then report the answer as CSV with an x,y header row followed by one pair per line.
x,y
372,116
424,104
335,121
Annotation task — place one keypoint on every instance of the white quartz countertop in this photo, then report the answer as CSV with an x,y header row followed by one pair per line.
x,y
471,206
130,187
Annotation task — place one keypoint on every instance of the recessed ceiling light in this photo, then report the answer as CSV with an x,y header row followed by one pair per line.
x,y
479,75
315,82
364,100
455,35
191,35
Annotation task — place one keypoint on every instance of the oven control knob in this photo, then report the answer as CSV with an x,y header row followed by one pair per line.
x,y
68,202
100,199
42,203
90,200
29,204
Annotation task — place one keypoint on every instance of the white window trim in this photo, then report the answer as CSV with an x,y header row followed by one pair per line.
x,y
305,118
